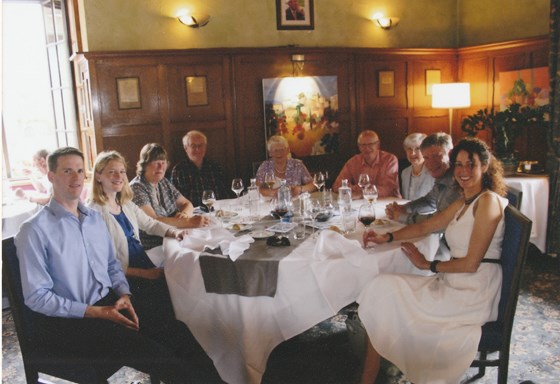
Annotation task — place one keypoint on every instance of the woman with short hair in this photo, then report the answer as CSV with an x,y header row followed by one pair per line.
x,y
416,180
283,167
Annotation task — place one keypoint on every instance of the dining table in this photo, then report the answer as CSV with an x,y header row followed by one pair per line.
x,y
312,279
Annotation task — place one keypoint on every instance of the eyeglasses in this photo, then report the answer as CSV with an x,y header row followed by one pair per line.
x,y
368,145
412,150
195,146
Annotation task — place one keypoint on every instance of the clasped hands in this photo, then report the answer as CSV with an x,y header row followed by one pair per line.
x,y
409,249
394,210
122,312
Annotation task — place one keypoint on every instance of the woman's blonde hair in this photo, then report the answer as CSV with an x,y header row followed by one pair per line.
x,y
97,195
277,139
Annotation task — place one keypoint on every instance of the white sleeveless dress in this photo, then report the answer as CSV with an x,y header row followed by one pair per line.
x,y
429,326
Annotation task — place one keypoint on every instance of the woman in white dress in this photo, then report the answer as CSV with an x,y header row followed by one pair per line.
x,y
429,326
416,180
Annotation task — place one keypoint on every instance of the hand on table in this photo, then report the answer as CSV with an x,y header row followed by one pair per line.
x,y
394,210
374,237
195,222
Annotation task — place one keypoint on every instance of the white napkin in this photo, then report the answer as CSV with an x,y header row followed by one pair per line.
x,y
210,238
332,245
156,256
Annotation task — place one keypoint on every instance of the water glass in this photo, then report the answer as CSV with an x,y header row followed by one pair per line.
x,y
348,223
299,228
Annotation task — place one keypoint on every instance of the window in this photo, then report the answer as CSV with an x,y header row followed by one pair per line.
x,y
39,110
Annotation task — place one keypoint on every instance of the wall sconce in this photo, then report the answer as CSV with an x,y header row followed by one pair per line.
x,y
451,95
298,62
385,22
194,21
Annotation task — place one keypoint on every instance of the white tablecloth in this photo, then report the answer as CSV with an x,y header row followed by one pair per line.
x,y
534,204
239,333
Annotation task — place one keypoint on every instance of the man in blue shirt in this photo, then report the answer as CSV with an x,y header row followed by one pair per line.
x,y
73,282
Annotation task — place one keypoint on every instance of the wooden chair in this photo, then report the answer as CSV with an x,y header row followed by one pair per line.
x,y
37,358
514,196
496,335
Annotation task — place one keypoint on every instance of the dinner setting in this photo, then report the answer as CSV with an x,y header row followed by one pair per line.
x,y
288,191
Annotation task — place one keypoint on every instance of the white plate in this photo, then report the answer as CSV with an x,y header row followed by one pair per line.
x,y
225,214
261,234
238,227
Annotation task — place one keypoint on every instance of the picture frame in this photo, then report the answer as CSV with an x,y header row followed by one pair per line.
x,y
433,76
386,83
294,15
197,91
128,93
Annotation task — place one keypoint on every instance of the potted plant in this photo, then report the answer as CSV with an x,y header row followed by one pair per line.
x,y
505,127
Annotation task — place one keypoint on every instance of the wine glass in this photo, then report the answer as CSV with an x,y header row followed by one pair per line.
x,y
208,199
370,194
313,209
366,215
269,179
319,180
237,187
363,181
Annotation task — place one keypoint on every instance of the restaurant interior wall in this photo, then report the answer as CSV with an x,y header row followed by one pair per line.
x,y
233,119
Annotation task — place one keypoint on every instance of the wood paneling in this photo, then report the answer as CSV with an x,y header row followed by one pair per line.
x,y
233,120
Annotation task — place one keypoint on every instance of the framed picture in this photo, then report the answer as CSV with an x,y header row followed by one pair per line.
x,y
433,76
197,93
528,87
294,14
128,93
304,110
386,83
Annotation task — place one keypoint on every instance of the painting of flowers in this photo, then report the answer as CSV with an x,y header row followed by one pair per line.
x,y
304,110
526,87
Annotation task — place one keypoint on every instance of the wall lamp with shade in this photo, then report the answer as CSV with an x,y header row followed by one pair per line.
x,y
451,96
194,21
298,61
385,22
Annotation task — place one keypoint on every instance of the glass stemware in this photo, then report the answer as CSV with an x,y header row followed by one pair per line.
x,y
366,215
319,180
237,187
370,194
208,199
269,179
313,210
363,181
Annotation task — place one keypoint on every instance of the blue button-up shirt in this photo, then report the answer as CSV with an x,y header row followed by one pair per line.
x,y
66,262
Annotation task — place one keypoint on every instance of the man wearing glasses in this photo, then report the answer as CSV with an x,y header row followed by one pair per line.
x,y
382,168
196,173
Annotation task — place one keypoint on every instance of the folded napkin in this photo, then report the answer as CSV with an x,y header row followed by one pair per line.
x,y
332,245
211,238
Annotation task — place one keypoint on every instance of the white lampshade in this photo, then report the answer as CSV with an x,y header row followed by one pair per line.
x,y
451,95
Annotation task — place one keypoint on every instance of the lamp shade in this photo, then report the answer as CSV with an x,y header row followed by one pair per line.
x,y
451,95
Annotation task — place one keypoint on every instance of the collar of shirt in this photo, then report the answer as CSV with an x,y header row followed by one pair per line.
x,y
59,211
373,163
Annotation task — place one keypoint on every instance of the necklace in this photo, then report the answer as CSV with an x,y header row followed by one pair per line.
x,y
278,171
473,198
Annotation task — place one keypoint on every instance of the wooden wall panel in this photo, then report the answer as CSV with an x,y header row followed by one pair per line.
x,y
233,120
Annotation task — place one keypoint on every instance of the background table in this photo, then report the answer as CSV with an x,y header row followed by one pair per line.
x,y
534,204
239,333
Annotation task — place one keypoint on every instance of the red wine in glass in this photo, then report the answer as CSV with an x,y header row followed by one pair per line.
x,y
367,220
280,211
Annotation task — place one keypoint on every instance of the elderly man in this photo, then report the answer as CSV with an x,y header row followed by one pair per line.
x,y
382,168
73,282
197,173
435,148
294,11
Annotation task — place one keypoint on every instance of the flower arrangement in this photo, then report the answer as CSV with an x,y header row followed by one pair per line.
x,y
505,125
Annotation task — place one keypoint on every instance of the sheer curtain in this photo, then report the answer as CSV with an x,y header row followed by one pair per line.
x,y
553,161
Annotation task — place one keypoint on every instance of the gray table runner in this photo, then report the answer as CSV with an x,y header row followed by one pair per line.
x,y
255,273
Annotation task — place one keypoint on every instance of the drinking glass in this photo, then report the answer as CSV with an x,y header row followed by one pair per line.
x,y
313,209
299,229
208,199
370,194
269,179
319,180
366,215
237,187
363,180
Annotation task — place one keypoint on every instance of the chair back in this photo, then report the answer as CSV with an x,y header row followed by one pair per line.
x,y
23,316
514,196
514,253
